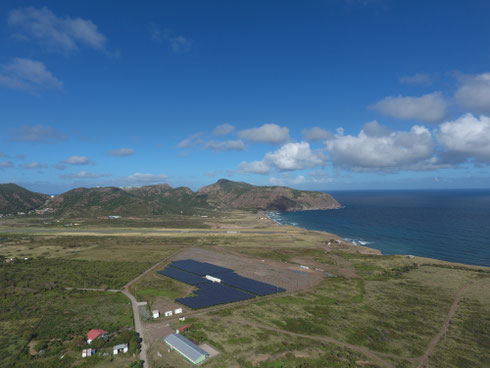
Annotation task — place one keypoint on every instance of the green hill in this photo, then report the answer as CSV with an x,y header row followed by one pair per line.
x,y
14,198
163,199
226,193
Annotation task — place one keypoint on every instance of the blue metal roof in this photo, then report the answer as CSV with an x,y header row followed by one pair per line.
x,y
185,347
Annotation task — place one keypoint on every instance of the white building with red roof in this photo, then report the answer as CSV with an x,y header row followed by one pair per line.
x,y
93,334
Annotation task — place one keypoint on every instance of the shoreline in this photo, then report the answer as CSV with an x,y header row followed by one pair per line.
x,y
378,251
371,250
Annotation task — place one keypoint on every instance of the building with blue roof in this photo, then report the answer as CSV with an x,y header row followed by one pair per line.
x,y
186,348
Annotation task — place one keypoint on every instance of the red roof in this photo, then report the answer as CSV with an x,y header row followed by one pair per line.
x,y
92,334
184,328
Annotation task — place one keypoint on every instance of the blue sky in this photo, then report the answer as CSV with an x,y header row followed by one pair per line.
x,y
315,94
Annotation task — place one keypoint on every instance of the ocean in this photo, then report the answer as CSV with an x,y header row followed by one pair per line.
x,y
451,225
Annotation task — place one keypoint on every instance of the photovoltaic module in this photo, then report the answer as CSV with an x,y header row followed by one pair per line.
x,y
232,287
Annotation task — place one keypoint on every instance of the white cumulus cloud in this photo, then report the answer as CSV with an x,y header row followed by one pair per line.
x,y
467,137
295,156
417,78
178,43
191,141
5,164
223,129
316,134
429,108
121,152
474,93
84,175
77,160
34,165
28,75
35,134
255,167
267,133
373,150
290,157
145,179
63,34
231,145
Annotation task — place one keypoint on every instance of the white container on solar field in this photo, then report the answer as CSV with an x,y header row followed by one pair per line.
x,y
213,279
178,311
168,314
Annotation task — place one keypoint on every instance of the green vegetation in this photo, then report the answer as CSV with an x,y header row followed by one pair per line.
x,y
52,273
155,285
41,320
162,199
14,198
467,342
379,310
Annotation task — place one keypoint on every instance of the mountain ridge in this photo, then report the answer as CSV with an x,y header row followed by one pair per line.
x,y
163,199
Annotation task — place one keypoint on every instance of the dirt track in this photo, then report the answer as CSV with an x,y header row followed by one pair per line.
x,y
424,360
136,314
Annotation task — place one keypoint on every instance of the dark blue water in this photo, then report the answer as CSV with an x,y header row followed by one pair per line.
x,y
452,225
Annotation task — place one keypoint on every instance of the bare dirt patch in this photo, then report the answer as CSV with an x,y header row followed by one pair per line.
x,y
345,270
155,331
163,304
208,348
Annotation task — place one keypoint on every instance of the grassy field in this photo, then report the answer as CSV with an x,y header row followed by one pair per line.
x,y
378,311
393,309
41,320
155,285
53,322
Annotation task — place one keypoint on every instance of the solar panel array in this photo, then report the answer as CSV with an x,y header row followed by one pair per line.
x,y
183,276
214,294
232,288
250,285
199,268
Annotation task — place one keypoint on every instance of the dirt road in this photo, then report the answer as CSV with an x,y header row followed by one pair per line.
x,y
424,360
138,326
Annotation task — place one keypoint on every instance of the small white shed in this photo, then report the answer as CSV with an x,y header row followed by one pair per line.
x,y
178,311
121,348
155,313
168,314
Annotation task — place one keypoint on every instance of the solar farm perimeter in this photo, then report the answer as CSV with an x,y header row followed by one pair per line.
x,y
231,288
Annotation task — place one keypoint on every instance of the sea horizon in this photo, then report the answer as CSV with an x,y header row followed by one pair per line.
x,y
448,224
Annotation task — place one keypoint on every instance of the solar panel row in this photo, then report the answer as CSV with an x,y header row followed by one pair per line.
x,y
199,268
214,294
183,276
250,285
232,288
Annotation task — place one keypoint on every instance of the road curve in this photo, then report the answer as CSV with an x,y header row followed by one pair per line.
x,y
138,326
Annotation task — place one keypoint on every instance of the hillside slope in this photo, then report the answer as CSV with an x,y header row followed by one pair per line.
x,y
226,193
98,202
163,199
14,198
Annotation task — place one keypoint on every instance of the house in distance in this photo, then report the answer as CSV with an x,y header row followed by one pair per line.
x,y
93,334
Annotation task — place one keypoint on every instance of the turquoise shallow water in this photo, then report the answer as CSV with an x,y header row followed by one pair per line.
x,y
451,225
